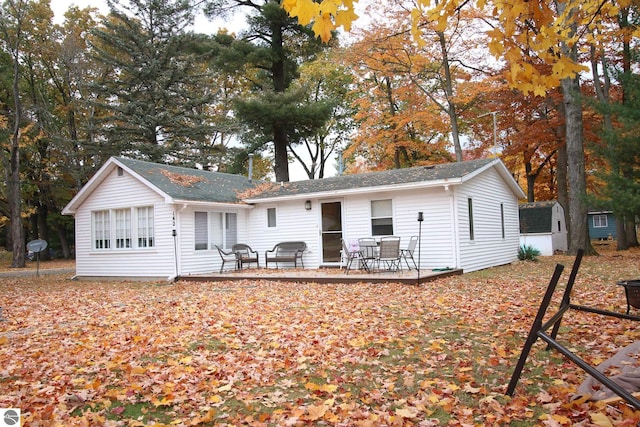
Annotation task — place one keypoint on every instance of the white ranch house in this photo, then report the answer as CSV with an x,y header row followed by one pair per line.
x,y
136,219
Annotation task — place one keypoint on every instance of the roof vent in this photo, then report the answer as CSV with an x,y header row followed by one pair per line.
x,y
120,171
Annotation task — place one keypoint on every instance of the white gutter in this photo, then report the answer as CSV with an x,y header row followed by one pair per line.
x,y
352,191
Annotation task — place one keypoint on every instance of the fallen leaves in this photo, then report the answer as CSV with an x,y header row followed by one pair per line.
x,y
269,353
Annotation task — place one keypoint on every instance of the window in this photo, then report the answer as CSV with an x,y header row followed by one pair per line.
x,y
271,218
145,227
559,226
128,228
215,229
101,234
470,206
502,218
381,218
123,228
600,221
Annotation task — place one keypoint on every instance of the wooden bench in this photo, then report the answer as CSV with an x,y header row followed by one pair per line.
x,y
286,252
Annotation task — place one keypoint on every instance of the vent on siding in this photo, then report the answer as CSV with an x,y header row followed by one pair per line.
x,y
120,171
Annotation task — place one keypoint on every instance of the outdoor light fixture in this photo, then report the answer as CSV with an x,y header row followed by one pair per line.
x,y
307,205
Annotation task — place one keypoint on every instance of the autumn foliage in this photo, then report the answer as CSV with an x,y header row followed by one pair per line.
x,y
264,352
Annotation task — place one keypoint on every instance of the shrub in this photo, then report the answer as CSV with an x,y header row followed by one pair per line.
x,y
528,253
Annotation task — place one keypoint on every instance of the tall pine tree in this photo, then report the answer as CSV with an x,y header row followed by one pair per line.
x,y
272,49
155,94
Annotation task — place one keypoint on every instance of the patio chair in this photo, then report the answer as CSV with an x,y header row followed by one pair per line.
x,y
368,252
407,253
245,255
389,256
349,255
228,257
631,292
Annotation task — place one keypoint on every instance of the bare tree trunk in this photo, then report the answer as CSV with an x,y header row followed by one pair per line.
x,y
12,163
451,106
632,236
579,237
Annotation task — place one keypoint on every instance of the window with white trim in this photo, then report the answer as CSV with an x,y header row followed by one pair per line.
x,y
470,208
600,221
145,227
123,228
271,218
128,228
381,218
101,233
215,229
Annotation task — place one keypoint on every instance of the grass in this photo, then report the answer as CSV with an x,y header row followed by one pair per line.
x,y
271,353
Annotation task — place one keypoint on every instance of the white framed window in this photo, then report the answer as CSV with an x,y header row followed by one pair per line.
x,y
123,228
600,221
101,230
215,229
145,227
272,221
127,228
502,218
470,208
381,217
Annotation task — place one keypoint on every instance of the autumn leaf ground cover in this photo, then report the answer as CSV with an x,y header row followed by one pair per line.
x,y
273,353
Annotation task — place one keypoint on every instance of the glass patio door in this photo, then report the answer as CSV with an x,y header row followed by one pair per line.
x,y
331,232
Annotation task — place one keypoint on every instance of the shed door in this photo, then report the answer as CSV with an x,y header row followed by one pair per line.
x,y
331,231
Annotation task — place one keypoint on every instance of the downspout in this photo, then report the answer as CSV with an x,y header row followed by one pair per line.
x,y
174,233
454,226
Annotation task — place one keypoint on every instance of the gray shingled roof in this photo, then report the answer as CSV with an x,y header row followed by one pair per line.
x,y
198,185
191,184
376,179
536,217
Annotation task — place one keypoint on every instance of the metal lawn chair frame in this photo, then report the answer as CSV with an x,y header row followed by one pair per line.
x,y
349,256
407,253
538,330
389,253
368,252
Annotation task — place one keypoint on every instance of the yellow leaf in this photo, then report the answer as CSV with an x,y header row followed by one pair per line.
x,y
305,10
407,412
225,387
601,419
4,340
316,412
215,399
322,27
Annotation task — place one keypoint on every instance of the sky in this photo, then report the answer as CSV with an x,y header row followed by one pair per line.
x,y
202,25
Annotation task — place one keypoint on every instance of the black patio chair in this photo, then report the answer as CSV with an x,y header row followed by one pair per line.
x,y
226,257
631,292
245,255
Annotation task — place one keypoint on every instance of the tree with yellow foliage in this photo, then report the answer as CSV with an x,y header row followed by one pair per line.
x,y
525,33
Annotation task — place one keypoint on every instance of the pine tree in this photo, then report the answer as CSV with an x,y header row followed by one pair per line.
x,y
156,93
269,54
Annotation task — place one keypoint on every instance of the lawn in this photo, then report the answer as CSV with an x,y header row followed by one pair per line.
x,y
268,353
